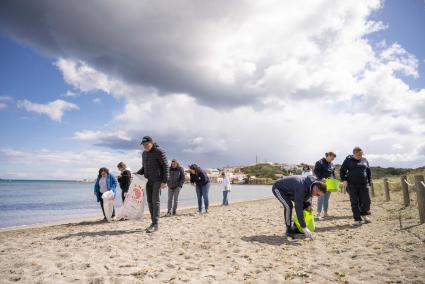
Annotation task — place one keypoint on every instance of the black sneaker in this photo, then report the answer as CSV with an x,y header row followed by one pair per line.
x,y
168,214
152,229
174,213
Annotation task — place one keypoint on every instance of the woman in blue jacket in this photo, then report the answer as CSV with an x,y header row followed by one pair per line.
x,y
104,182
199,178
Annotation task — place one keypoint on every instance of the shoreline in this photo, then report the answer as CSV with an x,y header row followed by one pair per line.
x,y
97,217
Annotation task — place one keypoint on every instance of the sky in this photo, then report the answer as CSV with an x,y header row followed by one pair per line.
x,y
213,82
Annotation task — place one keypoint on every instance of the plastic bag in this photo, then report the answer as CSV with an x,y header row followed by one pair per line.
x,y
108,203
309,221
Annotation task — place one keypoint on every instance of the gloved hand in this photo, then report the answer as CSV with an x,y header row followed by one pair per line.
x,y
307,233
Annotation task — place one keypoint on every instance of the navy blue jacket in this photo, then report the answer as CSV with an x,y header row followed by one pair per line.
x,y
298,190
356,171
324,169
200,179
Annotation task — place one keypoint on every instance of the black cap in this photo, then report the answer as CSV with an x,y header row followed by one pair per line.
x,y
146,139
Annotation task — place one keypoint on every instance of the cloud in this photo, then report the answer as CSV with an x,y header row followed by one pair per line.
x,y
70,94
222,82
4,102
97,101
54,110
62,164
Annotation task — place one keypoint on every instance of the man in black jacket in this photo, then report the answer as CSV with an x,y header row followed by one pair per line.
x,y
155,170
175,184
356,176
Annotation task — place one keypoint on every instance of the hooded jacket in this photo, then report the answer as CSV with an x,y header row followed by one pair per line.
x,y
356,171
125,180
111,184
298,190
176,178
324,169
155,165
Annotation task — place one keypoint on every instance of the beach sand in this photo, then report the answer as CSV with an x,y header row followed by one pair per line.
x,y
239,243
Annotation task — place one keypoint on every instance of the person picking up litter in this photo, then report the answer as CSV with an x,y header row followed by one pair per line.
x,y
298,191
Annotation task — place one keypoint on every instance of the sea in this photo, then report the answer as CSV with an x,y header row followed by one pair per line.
x,y
29,202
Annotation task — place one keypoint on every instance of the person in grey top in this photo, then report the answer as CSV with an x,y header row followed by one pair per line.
x,y
175,184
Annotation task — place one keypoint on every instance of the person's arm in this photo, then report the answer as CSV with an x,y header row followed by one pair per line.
x,y
164,166
318,170
182,177
96,186
141,171
202,177
299,207
369,174
333,175
343,171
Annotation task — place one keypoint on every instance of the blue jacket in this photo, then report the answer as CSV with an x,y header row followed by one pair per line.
x,y
324,169
111,184
298,190
356,171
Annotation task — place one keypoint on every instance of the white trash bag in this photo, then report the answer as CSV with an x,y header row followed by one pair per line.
x,y
134,201
108,203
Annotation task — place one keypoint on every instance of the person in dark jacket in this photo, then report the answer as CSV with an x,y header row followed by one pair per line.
x,y
300,190
356,177
200,179
175,184
124,180
324,168
155,170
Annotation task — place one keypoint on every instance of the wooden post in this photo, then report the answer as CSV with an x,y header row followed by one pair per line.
x,y
405,189
420,195
372,190
386,190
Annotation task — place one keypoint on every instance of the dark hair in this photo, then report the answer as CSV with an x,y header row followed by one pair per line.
x,y
195,167
321,186
330,153
357,149
121,165
306,167
103,170
223,173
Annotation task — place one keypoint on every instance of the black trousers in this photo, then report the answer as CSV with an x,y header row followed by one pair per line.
x,y
153,191
287,206
103,210
360,200
123,195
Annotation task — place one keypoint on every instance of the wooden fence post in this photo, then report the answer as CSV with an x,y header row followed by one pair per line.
x,y
420,196
405,189
386,190
372,190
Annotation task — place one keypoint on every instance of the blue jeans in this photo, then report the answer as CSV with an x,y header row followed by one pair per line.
x,y
323,201
202,192
225,200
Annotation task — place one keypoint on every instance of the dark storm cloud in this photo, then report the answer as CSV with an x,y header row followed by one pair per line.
x,y
159,44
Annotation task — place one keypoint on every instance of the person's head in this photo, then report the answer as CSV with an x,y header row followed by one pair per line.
x,y
306,168
174,163
194,169
223,174
103,172
318,188
121,166
357,153
330,156
147,143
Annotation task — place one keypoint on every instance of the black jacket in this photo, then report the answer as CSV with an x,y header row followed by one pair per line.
x,y
200,179
124,180
298,190
324,169
176,177
155,165
356,171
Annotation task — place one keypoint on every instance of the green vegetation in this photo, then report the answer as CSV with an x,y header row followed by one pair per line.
x,y
263,171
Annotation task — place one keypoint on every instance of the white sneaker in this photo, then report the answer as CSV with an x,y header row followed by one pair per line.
x,y
357,223
366,219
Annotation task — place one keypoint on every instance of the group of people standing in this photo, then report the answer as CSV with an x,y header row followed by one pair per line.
x,y
298,191
159,176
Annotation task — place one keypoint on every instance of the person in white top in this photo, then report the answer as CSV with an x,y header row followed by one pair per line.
x,y
225,188
306,171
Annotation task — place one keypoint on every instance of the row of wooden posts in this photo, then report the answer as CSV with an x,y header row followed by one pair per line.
x,y
420,193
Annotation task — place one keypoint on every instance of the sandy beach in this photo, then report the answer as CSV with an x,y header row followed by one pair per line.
x,y
239,243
